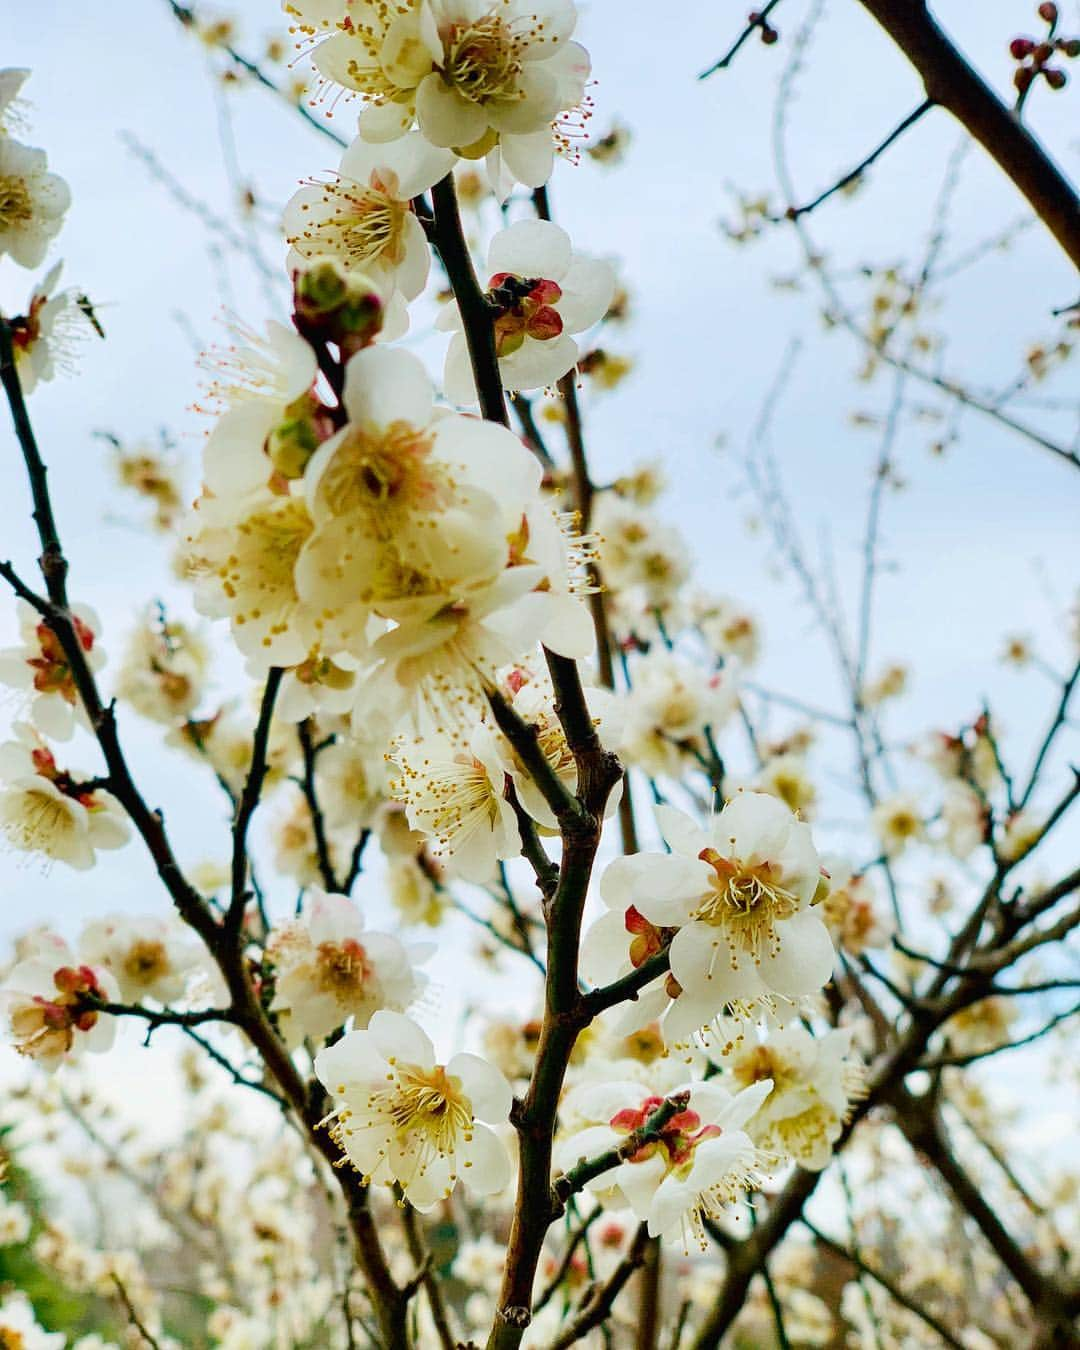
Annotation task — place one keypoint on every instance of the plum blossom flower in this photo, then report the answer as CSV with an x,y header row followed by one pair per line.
x,y
328,968
41,665
734,899
363,216
671,707
32,200
456,794
478,76
540,293
702,1162
46,336
527,688
163,671
897,822
813,1081
402,1116
45,809
43,1002
20,1329
264,382
148,956
242,557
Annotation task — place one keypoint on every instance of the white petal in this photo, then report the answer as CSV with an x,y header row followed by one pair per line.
x,y
445,118
484,1085
397,1036
386,384
587,291
485,1164
531,248
805,959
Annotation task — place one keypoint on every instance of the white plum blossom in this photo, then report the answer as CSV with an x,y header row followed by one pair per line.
x,y
813,1080
456,794
402,1116
734,897
242,557
540,292
40,665
671,706
48,810
32,200
898,822
527,688
703,1162
45,337
363,217
20,1329
148,956
478,76
328,968
164,668
263,381
44,1005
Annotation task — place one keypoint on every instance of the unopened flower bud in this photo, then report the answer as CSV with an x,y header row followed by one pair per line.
x,y
333,305
1056,79
1021,48
1043,52
769,35
1069,46
1048,12
1022,77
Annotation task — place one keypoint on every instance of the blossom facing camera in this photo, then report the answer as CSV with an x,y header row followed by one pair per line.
x,y
401,1116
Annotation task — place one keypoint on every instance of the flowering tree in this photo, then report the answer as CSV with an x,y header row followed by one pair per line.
x,y
484,686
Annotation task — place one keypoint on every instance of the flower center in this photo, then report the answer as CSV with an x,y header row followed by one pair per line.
x,y
523,307
482,60
746,901
16,203
10,1339
146,961
428,1104
365,224
377,468
679,1136
342,969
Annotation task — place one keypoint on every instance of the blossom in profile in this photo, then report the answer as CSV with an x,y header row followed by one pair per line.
x,y
40,666
328,968
814,1080
402,1116
363,217
456,795
540,293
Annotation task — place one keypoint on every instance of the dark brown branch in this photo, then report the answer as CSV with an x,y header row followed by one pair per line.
x,y
953,83
597,1307
311,796
249,802
757,21
476,317
133,1316
794,212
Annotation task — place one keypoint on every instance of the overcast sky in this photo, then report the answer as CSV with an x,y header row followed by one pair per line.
x,y
981,541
